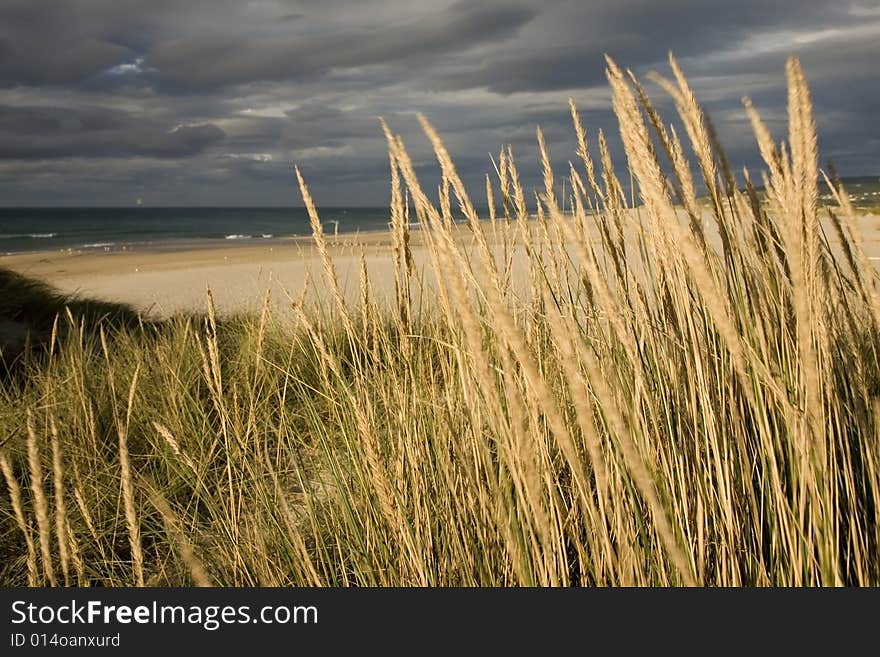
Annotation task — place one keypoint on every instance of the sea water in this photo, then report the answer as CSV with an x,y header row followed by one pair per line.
x,y
115,229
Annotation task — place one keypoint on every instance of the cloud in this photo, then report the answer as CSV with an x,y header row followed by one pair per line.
x,y
54,132
249,157
210,101
56,63
231,58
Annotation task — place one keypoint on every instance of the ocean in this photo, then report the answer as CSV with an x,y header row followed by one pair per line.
x,y
145,228
116,229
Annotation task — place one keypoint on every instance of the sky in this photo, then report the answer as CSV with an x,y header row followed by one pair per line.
x,y
210,102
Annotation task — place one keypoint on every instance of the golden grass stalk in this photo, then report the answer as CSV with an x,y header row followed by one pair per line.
x,y
128,488
172,443
41,506
326,260
62,531
400,239
18,509
82,505
583,150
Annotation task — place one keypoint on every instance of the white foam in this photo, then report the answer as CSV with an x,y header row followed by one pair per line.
x,y
12,236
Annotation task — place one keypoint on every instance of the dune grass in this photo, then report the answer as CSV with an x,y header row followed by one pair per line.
x,y
673,397
29,312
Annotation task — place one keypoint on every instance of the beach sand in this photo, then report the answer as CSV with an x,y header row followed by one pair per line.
x,y
162,283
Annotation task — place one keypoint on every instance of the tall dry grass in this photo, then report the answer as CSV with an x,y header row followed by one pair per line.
x,y
680,393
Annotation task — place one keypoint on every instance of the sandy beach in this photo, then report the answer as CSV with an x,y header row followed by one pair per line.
x,y
164,282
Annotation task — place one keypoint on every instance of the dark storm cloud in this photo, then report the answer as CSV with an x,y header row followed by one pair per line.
x,y
65,41
231,58
41,132
210,101
638,33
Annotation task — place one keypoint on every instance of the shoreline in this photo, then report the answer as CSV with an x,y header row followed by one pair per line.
x,y
192,244
169,279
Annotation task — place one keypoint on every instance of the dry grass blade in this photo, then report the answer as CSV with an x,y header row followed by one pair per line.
x,y
18,509
326,260
41,506
62,528
128,490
